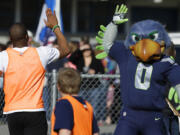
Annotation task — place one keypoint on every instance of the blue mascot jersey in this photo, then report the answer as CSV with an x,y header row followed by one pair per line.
x,y
143,86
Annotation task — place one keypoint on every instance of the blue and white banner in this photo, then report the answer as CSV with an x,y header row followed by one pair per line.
x,y
43,33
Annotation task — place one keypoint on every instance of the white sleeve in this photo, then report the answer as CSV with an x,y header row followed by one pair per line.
x,y
3,61
48,54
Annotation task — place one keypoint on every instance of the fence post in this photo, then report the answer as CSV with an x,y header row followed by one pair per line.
x,y
53,87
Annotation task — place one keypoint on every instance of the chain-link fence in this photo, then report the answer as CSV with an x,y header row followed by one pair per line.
x,y
102,91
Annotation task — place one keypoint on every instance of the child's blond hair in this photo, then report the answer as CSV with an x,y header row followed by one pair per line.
x,y
69,81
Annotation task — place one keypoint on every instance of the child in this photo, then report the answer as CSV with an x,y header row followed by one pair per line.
x,y
72,114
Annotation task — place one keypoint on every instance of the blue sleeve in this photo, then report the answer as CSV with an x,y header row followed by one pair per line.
x,y
95,126
64,115
118,51
173,74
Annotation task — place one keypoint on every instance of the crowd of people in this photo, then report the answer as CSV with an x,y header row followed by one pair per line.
x,y
23,64
96,91
81,58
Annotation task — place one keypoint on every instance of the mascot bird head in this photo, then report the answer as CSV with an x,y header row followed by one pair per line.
x,y
147,40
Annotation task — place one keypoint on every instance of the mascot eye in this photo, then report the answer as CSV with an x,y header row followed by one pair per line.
x,y
135,37
153,35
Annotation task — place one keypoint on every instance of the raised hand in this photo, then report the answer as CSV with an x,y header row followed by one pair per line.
x,y
107,35
52,23
99,39
51,19
119,15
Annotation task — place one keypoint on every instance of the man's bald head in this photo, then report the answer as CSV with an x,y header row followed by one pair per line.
x,y
18,33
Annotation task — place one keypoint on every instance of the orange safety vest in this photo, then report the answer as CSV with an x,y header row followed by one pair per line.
x,y
23,80
83,117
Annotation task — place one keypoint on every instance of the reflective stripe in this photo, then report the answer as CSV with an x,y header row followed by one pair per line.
x,y
168,60
25,110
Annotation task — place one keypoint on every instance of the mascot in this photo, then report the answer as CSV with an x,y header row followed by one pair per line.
x,y
145,72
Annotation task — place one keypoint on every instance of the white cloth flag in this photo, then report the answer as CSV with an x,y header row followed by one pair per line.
x,y
43,33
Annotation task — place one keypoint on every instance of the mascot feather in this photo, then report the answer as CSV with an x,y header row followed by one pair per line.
x,y
144,72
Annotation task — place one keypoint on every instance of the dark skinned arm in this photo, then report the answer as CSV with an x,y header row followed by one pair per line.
x,y
62,43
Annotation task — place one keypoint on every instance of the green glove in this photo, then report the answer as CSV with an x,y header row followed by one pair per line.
x,y
118,18
99,39
174,99
119,15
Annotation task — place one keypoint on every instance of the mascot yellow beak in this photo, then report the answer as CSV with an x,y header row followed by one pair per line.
x,y
146,50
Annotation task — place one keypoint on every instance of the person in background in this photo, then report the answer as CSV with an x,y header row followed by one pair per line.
x,y
9,44
85,60
84,40
57,64
72,114
30,35
53,66
31,41
86,63
2,47
110,67
23,68
170,120
73,45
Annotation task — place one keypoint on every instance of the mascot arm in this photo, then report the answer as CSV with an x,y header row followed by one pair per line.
x,y
105,39
107,35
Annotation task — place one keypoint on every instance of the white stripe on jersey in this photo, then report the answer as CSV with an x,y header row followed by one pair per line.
x,y
169,60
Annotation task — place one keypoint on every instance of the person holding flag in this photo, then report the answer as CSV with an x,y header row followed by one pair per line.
x,y
23,69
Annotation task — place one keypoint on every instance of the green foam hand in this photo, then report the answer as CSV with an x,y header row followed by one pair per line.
x,y
99,39
173,97
119,15
101,55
